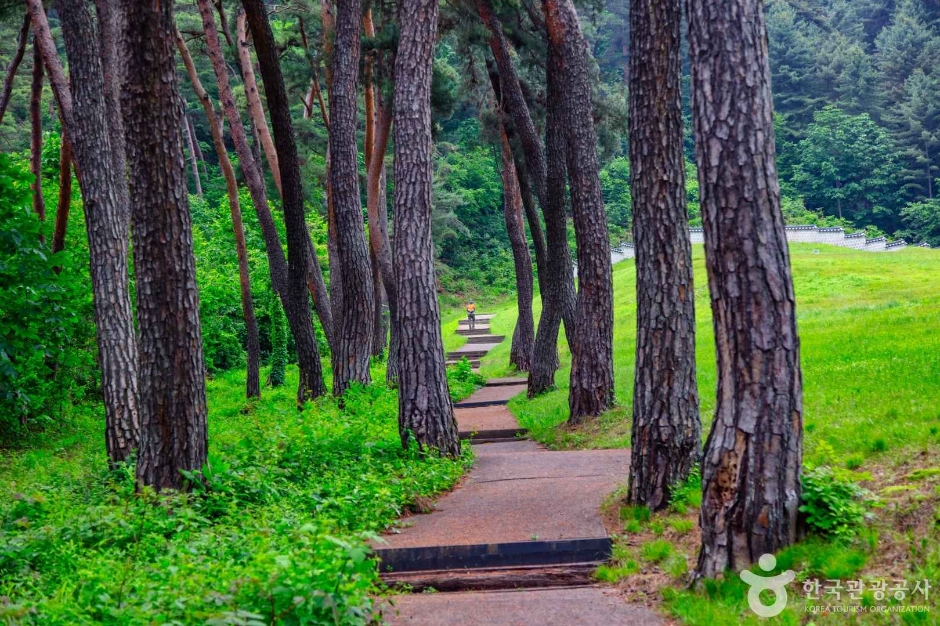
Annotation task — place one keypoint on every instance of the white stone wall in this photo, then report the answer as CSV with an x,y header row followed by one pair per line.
x,y
795,234
801,234
876,245
834,236
855,240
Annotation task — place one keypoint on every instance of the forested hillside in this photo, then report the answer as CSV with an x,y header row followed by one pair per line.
x,y
855,87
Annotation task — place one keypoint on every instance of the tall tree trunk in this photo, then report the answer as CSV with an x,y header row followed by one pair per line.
x,y
513,101
558,295
111,20
255,109
378,126
35,134
174,435
301,256
14,65
425,408
295,307
106,220
751,464
523,337
592,359
253,382
522,176
378,230
354,346
379,330
65,196
191,146
667,430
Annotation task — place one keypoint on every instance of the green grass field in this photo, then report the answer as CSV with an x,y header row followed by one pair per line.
x,y
869,327
870,349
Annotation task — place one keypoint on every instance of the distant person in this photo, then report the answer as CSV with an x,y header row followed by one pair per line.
x,y
472,315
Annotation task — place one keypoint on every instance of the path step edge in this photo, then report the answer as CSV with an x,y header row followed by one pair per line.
x,y
476,436
481,403
493,555
506,382
494,579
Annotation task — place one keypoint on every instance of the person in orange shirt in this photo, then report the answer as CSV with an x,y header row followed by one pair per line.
x,y
472,315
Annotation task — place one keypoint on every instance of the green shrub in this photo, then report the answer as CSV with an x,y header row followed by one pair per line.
x,y
687,493
462,380
47,338
832,505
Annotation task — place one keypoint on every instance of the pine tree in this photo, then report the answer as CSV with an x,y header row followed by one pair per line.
x,y
752,459
903,46
915,121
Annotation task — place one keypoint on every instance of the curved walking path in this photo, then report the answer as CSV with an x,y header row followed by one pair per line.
x,y
517,541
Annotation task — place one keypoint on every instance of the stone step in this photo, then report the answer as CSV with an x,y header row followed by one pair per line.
x,y
491,396
506,382
489,579
481,329
471,352
481,317
493,435
490,555
474,363
485,338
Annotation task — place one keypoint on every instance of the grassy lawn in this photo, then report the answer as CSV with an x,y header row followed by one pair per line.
x,y
870,337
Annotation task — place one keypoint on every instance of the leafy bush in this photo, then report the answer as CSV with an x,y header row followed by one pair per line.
x,y
47,349
462,380
833,505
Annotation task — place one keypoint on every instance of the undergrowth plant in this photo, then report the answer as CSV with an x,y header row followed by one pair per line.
x,y
833,505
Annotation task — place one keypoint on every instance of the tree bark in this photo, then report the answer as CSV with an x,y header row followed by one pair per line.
x,y
522,176
378,127
751,464
174,435
301,256
35,134
425,408
523,337
592,364
513,101
558,297
43,36
111,20
295,305
65,196
352,353
667,430
378,230
255,109
253,382
107,222
191,146
14,65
